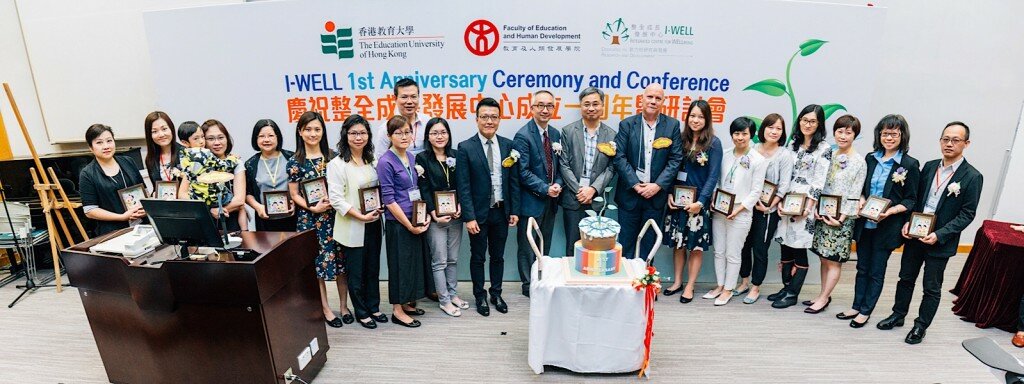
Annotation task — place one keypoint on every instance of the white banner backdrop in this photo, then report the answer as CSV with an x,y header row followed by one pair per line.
x,y
241,63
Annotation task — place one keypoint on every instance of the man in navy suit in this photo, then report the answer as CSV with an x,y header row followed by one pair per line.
x,y
489,196
539,146
649,152
949,189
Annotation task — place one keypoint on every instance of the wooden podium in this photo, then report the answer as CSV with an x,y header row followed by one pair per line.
x,y
183,321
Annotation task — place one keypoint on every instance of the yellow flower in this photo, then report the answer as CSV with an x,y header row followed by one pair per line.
x,y
507,163
662,142
608,149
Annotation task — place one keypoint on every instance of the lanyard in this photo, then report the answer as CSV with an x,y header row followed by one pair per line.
x,y
165,168
408,166
735,163
272,174
444,167
938,184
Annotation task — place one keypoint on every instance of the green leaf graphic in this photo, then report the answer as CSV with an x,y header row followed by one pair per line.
x,y
832,108
770,87
811,46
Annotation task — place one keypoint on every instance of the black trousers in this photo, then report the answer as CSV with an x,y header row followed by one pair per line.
x,y
571,219
754,256
363,267
631,222
1020,324
914,258
491,239
524,254
872,260
797,256
284,224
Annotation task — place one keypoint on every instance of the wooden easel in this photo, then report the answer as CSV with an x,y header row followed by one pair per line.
x,y
52,197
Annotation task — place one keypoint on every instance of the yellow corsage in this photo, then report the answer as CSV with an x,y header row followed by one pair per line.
x,y
512,158
662,142
608,149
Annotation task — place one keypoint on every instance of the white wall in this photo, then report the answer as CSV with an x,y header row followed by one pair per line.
x,y
944,60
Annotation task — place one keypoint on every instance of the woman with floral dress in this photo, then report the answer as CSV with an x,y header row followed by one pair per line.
x,y
813,158
312,154
689,226
833,235
216,156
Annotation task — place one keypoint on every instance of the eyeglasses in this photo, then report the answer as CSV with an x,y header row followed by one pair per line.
x,y
954,140
358,134
809,121
402,133
591,105
489,118
438,133
544,106
891,135
216,138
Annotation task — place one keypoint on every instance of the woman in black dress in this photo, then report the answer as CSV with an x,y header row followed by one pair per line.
x,y
102,178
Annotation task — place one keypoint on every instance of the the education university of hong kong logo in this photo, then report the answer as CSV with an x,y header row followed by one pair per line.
x,y
337,41
616,31
481,37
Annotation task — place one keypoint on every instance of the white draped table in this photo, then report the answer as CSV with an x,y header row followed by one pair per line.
x,y
585,328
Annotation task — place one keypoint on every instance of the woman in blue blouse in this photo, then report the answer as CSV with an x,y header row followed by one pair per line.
x,y
689,227
409,275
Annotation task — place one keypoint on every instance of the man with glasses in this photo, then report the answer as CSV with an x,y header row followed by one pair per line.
x,y
949,189
646,168
490,200
539,146
407,104
585,171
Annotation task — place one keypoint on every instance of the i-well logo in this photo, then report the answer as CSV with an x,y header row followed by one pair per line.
x,y
481,37
337,41
616,31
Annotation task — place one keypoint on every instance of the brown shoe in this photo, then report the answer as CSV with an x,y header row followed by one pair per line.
x,y
1018,340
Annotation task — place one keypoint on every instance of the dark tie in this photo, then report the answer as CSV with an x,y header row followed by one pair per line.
x,y
547,155
643,151
490,167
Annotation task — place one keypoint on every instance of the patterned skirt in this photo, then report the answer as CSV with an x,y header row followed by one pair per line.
x,y
686,231
833,243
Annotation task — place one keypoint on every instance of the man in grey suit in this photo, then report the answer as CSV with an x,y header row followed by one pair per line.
x,y
585,170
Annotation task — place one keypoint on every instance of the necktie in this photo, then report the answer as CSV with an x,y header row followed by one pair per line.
x,y
642,161
490,166
547,155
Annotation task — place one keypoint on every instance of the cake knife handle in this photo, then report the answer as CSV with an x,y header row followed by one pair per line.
x,y
531,229
657,231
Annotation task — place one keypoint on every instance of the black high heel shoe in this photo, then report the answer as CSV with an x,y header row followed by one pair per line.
x,y
819,310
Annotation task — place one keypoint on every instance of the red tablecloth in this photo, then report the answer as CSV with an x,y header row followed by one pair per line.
x,y
991,284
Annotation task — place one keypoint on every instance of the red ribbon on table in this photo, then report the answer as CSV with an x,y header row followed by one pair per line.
x,y
650,292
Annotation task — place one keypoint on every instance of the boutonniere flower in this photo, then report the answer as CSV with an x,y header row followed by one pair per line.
x,y
702,158
419,170
608,149
661,143
899,176
954,189
557,147
450,162
843,161
744,161
513,157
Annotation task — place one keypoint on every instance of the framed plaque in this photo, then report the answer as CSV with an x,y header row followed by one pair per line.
x,y
369,199
793,204
921,224
446,203
314,190
768,191
723,202
166,190
277,204
419,213
683,195
874,206
132,195
830,206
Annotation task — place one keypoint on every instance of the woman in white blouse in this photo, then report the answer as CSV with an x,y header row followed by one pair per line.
x,y
358,233
834,233
742,175
813,157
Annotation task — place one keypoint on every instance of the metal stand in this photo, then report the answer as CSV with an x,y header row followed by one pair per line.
x,y
27,251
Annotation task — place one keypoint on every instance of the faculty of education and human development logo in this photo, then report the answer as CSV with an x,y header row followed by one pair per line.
x,y
616,31
481,37
337,41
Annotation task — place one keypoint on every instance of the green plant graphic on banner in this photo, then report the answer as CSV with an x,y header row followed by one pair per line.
x,y
774,87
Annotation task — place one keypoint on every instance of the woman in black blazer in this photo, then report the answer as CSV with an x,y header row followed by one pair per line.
x,y
266,171
892,174
102,178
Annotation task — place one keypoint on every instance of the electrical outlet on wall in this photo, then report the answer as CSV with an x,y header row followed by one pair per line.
x,y
287,376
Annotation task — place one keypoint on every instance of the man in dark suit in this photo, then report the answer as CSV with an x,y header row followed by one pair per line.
x,y
585,170
949,189
490,201
539,146
649,152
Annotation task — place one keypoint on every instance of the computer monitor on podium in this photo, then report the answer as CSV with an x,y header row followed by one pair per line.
x,y
183,222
